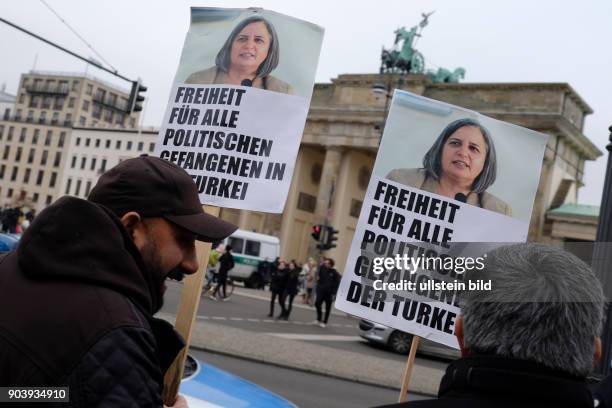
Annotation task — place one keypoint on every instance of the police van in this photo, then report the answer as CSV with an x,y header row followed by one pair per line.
x,y
249,249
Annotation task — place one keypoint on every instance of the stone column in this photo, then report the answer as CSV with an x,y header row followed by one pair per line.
x,y
327,186
243,220
538,214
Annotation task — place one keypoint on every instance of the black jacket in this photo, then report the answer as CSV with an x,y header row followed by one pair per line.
x,y
293,281
226,263
328,280
603,392
278,281
76,306
496,382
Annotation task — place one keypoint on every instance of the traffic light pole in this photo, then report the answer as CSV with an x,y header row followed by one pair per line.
x,y
137,87
74,54
602,259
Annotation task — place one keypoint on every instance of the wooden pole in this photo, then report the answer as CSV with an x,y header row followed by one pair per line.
x,y
408,370
185,316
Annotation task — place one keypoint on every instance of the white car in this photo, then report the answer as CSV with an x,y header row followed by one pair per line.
x,y
399,341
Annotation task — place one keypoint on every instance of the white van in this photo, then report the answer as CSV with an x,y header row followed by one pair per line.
x,y
250,248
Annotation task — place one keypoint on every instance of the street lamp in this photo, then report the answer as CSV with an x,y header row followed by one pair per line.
x,y
385,88
602,259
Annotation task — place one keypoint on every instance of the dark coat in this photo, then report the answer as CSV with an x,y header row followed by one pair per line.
x,y
603,392
328,280
293,281
278,282
496,382
264,270
226,263
76,306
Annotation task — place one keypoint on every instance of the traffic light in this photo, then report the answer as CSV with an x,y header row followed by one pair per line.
x,y
316,232
327,238
331,237
136,99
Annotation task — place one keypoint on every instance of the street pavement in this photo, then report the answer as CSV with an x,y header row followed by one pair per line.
x,y
240,327
303,389
248,309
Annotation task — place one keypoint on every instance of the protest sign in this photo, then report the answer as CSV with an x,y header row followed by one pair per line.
x,y
235,119
448,185
239,103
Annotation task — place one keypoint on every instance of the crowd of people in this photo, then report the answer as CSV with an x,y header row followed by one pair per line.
x,y
14,220
288,279
317,284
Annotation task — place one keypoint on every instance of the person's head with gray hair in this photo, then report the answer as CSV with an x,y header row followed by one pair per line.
x,y
224,60
485,156
545,305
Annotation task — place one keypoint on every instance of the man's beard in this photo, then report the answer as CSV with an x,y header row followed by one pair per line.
x,y
152,261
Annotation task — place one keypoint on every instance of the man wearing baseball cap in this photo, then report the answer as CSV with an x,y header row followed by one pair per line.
x,y
77,297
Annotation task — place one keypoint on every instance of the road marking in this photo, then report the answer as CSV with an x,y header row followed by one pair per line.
x,y
245,293
253,320
314,337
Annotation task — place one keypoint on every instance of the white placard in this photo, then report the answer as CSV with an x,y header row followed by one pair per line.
x,y
405,215
238,152
239,103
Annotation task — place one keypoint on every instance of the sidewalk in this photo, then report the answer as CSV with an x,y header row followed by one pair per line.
x,y
309,357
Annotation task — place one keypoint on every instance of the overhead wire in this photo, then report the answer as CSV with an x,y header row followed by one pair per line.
x,y
78,35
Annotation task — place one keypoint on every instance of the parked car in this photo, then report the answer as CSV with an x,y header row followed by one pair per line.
x,y
206,386
249,249
399,341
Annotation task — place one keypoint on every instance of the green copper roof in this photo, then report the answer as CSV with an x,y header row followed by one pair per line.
x,y
576,209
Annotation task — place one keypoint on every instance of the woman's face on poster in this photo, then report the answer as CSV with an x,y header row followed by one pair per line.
x,y
464,154
250,47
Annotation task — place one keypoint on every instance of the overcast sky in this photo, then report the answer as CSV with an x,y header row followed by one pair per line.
x,y
496,41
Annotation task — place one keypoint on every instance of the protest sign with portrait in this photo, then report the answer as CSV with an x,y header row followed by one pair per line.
x,y
239,103
448,185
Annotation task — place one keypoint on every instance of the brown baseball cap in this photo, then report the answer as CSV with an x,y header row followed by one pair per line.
x,y
154,187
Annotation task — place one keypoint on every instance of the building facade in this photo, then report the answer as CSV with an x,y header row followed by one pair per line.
x,y
7,102
35,137
92,151
343,130
44,154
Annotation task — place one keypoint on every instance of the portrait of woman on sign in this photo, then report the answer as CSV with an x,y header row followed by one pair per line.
x,y
461,164
247,58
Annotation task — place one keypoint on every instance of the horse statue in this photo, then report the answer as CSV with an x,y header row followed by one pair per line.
x,y
403,58
407,59
443,75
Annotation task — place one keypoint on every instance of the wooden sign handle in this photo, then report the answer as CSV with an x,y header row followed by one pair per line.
x,y
185,316
408,370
